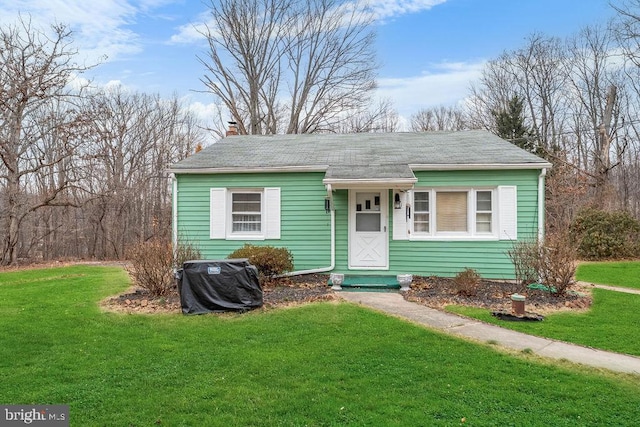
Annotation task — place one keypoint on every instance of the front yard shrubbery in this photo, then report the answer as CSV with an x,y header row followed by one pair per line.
x,y
270,261
153,264
600,235
552,262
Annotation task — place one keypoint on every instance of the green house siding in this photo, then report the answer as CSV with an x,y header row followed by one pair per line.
x,y
305,226
447,258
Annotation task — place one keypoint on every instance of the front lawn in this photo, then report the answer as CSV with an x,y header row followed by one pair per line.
x,y
322,364
625,273
611,323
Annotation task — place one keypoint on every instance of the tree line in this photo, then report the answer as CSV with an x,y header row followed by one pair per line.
x,y
574,101
83,169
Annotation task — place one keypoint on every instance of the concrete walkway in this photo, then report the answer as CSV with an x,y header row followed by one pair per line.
x,y
611,288
395,304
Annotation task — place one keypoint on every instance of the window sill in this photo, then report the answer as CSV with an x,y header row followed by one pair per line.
x,y
446,238
244,237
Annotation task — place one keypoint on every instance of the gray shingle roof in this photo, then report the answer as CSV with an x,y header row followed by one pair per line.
x,y
360,156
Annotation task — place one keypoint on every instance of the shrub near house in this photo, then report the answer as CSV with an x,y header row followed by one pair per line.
x,y
606,235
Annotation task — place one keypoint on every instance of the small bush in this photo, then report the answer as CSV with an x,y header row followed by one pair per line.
x,y
552,262
556,264
153,263
270,261
185,252
602,235
152,266
466,282
524,255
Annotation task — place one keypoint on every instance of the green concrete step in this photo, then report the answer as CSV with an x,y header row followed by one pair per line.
x,y
369,283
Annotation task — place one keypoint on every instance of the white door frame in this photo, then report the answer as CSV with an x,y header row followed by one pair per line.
x,y
356,238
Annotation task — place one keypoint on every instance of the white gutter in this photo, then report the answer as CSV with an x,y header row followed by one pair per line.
x,y
174,213
256,169
396,184
479,166
333,244
543,173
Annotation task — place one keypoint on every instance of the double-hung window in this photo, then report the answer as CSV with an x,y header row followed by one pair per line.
x,y
245,213
453,213
422,213
484,211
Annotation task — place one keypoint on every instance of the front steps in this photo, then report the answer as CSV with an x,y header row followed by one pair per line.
x,y
366,283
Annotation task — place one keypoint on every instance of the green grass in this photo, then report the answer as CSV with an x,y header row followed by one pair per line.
x,y
324,364
626,273
611,323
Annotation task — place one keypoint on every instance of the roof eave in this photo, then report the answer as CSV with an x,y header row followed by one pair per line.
x,y
243,169
479,166
395,183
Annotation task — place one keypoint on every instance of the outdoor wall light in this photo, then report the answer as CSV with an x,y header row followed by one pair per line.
x,y
397,204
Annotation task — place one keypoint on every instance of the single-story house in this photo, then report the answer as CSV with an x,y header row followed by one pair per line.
x,y
428,203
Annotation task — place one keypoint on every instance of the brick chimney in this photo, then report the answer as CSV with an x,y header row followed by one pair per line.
x,y
233,129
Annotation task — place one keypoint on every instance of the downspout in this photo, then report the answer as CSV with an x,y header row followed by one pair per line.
x,y
543,173
174,213
333,243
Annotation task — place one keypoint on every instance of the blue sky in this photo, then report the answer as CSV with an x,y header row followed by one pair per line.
x,y
430,50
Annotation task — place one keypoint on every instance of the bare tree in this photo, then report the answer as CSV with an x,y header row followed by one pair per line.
x,y
626,28
439,118
381,118
536,74
289,66
135,138
596,82
38,124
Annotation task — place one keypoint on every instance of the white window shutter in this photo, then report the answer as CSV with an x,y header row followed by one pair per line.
x,y
508,212
218,213
272,212
400,221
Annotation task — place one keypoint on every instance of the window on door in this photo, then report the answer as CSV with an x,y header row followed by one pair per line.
x,y
368,212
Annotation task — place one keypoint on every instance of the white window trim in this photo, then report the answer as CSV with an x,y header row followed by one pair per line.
x,y
472,234
245,235
220,214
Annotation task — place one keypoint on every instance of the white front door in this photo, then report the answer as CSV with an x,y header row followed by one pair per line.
x,y
368,239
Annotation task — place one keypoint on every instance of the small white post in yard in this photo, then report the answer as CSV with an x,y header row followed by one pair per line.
x,y
336,281
405,281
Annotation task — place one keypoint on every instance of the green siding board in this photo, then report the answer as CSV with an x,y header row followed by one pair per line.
x,y
305,226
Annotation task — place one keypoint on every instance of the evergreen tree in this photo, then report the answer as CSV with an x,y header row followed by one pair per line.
x,y
510,125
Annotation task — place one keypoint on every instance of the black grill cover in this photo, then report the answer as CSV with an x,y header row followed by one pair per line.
x,y
218,285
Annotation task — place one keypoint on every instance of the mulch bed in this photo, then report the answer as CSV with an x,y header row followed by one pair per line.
x,y
438,292
435,292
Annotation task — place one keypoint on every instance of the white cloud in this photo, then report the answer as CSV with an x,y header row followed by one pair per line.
x,y
99,26
385,9
444,84
380,10
191,33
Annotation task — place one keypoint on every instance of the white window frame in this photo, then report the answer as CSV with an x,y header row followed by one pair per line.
x,y
245,234
471,232
221,215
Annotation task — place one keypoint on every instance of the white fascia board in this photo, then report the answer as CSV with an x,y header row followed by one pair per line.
x,y
400,184
478,166
273,169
